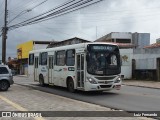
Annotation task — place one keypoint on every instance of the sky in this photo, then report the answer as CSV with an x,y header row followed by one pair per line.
x,y
89,23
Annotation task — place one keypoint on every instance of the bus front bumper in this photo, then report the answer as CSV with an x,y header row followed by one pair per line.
x,y
102,87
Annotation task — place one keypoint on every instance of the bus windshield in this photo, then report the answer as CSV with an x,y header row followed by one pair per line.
x,y
103,59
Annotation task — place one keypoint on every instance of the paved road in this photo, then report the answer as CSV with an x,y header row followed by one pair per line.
x,y
20,98
129,98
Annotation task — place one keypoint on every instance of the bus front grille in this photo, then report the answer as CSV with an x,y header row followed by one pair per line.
x,y
105,78
105,86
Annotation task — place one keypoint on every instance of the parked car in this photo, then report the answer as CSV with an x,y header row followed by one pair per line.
x,y
6,78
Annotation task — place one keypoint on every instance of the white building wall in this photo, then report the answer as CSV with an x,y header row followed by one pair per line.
x,y
39,46
126,56
124,35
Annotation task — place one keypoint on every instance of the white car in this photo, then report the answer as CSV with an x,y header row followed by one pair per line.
x,y
6,78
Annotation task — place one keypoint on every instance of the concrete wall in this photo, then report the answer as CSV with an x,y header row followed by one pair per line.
x,y
146,61
126,69
146,58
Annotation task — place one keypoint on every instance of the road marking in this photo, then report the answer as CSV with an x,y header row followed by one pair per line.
x,y
18,107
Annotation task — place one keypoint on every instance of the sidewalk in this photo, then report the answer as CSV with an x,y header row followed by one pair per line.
x,y
142,83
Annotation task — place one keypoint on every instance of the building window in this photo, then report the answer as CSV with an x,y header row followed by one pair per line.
x,y
31,59
123,40
70,57
44,58
60,58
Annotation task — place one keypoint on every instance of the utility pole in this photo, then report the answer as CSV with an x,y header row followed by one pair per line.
x,y
4,34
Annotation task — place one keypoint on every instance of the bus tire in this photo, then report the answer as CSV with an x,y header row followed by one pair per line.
x,y
41,81
70,85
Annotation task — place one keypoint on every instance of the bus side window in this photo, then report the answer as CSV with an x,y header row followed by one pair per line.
x,y
44,58
40,58
60,58
31,59
70,57
55,58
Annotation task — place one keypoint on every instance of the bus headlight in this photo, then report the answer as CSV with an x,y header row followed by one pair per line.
x,y
118,80
91,80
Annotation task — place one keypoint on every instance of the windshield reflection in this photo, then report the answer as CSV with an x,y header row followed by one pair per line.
x,y
103,62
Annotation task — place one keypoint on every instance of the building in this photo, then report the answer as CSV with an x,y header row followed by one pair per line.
x,y
117,37
139,40
70,41
23,53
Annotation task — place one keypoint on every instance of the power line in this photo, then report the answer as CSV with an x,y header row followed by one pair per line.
x,y
39,4
124,10
23,4
49,11
1,7
1,3
108,19
62,11
26,11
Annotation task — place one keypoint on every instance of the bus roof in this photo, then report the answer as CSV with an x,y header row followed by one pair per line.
x,y
73,46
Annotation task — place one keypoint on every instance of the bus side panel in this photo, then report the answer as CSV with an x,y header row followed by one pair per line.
x,y
31,72
61,73
43,70
58,75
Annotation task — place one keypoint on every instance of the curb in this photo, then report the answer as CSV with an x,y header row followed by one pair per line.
x,y
21,76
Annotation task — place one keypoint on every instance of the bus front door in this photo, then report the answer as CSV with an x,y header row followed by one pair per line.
x,y
50,69
80,70
36,76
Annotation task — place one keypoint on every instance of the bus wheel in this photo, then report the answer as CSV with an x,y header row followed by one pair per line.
x,y
41,81
70,85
